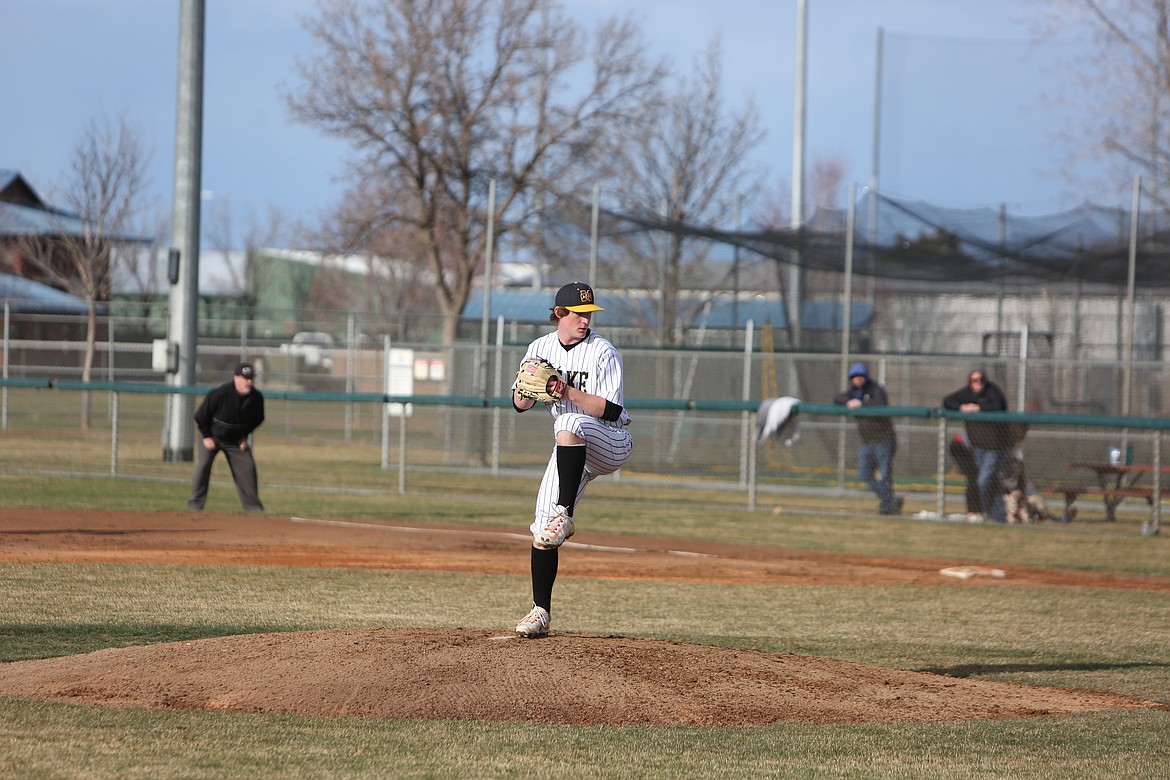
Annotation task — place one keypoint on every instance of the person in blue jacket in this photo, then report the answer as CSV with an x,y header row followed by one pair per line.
x,y
875,456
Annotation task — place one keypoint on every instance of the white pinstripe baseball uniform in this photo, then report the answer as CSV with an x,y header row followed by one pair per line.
x,y
590,435
594,366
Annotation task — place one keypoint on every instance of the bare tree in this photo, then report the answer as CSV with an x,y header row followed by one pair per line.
x,y
441,97
686,164
825,182
1123,92
104,195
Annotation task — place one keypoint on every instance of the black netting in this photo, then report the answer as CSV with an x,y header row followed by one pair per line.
x,y
917,241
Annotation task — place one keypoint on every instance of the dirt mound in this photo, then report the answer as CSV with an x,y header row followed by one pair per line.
x,y
482,675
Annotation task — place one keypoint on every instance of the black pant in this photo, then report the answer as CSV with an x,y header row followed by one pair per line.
x,y
243,467
965,459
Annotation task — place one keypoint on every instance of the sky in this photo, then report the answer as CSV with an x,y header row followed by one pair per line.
x,y
966,102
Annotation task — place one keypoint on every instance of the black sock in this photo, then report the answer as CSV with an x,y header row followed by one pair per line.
x,y
570,468
544,573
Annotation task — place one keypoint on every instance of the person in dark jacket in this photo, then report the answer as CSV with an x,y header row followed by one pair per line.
x,y
875,456
226,418
990,442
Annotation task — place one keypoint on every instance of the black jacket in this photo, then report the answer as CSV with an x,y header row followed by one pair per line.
x,y
228,416
984,435
871,429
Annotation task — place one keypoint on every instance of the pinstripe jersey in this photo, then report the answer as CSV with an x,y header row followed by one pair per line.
x,y
592,365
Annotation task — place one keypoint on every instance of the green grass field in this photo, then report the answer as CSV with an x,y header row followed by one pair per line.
x,y
1102,639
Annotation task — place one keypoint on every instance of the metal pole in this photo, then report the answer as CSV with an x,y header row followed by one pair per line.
x,y
4,398
1127,382
846,325
402,451
796,272
999,293
1156,528
941,468
663,327
110,351
593,224
184,299
541,122
497,384
735,263
847,295
747,449
386,406
114,434
481,375
875,161
1022,383
350,337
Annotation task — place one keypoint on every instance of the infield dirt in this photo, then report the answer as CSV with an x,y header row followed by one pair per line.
x,y
459,673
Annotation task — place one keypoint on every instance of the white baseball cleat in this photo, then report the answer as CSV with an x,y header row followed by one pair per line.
x,y
558,528
535,624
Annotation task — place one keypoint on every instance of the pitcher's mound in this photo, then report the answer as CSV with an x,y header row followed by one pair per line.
x,y
477,674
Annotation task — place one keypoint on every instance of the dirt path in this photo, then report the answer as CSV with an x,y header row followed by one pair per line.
x,y
478,674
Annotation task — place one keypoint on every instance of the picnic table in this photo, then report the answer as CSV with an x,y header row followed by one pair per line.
x,y
1115,483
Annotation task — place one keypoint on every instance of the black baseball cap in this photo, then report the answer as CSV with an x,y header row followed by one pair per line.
x,y
578,297
246,371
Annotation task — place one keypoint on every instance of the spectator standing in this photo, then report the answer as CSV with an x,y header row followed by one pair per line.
x,y
875,456
990,442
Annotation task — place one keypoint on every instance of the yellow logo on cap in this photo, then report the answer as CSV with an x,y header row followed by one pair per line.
x,y
586,296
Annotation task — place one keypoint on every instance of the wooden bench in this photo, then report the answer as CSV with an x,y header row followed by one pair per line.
x,y
1112,497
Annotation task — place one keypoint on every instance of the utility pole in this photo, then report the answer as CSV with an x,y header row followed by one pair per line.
x,y
183,333
796,271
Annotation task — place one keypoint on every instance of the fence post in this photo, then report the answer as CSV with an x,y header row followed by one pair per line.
x,y
402,452
942,468
753,447
498,383
110,357
1157,497
386,405
746,452
4,399
350,355
114,434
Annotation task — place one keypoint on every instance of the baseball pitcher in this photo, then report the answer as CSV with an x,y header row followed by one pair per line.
x,y
577,375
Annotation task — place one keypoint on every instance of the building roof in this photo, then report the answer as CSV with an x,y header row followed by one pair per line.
x,y
15,189
18,220
24,213
24,296
631,308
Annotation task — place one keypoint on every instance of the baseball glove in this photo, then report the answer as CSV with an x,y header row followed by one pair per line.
x,y
539,381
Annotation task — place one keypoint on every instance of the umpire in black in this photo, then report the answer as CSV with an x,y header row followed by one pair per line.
x,y
226,418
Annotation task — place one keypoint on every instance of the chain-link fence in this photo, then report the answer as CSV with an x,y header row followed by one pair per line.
x,y
1063,467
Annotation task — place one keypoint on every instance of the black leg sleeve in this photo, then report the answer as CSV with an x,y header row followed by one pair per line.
x,y
570,469
544,573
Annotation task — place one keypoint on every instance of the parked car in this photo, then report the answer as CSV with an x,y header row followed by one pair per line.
x,y
314,347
